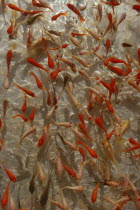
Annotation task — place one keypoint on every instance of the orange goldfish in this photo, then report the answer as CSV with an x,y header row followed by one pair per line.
x,y
38,82
136,7
4,199
81,117
41,140
9,58
90,151
50,60
76,11
70,171
22,116
107,45
94,193
34,63
28,92
54,74
58,15
137,146
9,173
32,114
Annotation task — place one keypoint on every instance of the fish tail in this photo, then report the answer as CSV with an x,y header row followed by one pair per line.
x,y
82,19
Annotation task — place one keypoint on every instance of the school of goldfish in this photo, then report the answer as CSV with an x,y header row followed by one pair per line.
x,y
69,123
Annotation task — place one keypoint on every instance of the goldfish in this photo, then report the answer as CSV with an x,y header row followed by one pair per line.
x,y
81,117
4,199
34,63
116,70
58,15
112,3
22,116
50,60
35,4
137,78
105,84
48,97
41,140
10,28
14,7
85,132
70,171
107,45
9,58
32,114
114,60
136,7
94,193
109,106
81,151
41,4
76,11
133,141
77,34
38,82
99,122
90,151
108,136
137,146
110,19
28,92
65,45
54,74
9,173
